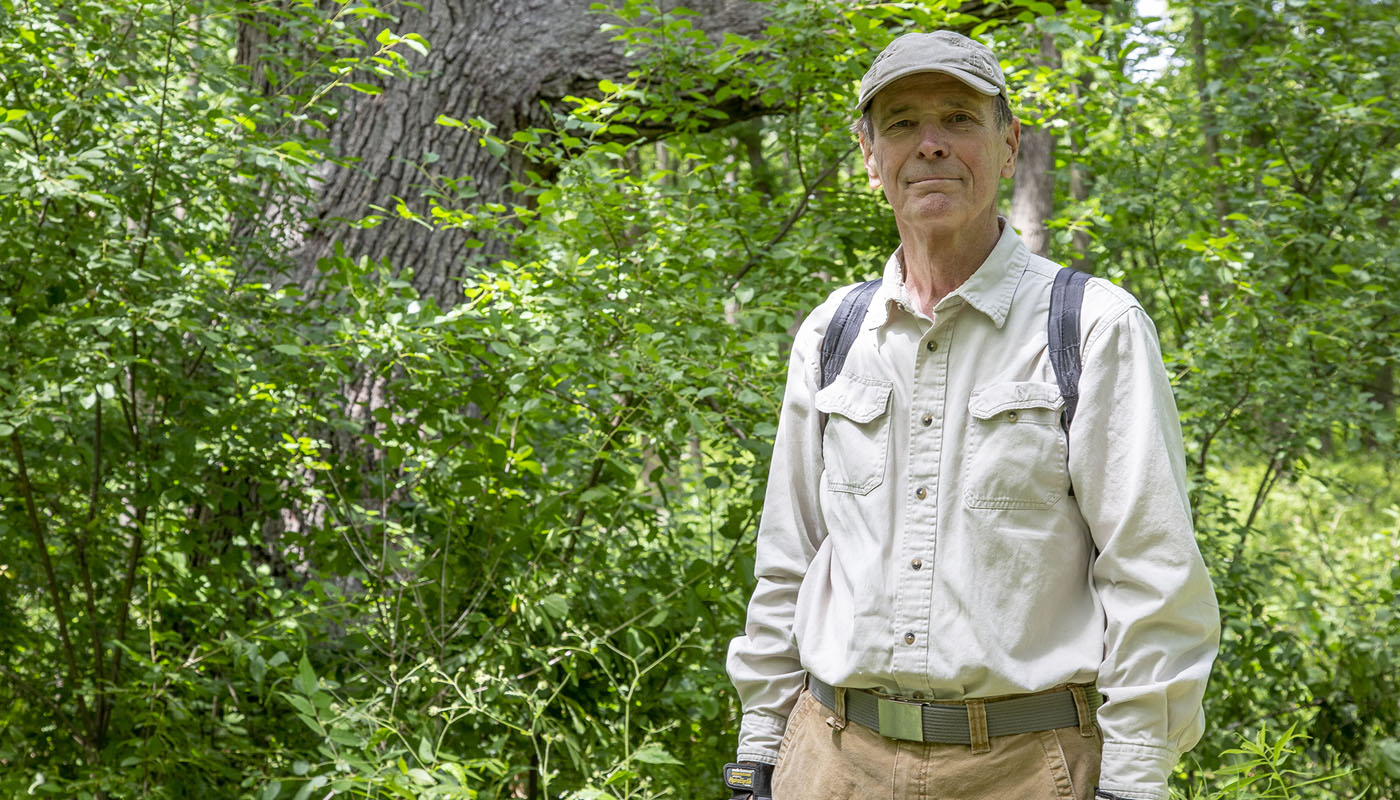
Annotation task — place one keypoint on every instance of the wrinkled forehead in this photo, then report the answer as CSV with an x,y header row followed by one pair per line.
x,y
927,90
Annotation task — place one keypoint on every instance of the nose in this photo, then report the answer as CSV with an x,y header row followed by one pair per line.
x,y
932,143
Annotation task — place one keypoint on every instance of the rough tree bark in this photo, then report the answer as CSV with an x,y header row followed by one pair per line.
x,y
1033,195
504,61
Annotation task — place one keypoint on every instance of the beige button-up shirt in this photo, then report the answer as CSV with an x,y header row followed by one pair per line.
x,y
926,543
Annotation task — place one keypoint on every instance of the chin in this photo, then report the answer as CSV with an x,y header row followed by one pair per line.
x,y
938,215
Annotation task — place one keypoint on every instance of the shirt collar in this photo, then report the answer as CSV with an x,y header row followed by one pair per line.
x,y
989,289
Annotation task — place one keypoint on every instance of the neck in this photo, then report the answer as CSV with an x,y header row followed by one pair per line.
x,y
936,263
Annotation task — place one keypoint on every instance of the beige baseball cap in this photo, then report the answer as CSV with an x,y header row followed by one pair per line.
x,y
947,52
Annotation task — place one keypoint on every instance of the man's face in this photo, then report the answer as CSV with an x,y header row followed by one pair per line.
x,y
938,153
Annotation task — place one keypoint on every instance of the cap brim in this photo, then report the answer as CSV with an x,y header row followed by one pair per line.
x,y
981,85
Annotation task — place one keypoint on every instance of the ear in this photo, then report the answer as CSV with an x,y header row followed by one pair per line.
x,y
868,156
1013,146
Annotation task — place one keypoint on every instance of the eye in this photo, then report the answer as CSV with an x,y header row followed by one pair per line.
x,y
961,117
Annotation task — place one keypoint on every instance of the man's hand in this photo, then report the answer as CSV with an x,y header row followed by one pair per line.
x,y
749,780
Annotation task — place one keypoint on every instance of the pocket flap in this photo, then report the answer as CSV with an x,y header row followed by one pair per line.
x,y
995,398
856,398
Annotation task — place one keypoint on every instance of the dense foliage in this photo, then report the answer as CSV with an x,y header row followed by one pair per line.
x,y
266,540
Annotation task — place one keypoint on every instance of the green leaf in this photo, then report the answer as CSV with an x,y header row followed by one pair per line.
x,y
310,786
1388,752
300,703
288,349
555,605
416,42
305,681
345,737
425,750
654,754
422,777
271,791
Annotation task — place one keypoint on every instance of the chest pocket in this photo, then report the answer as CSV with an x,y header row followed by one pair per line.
x,y
1016,447
856,442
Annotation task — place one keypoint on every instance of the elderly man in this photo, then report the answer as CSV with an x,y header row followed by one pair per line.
x,y
972,581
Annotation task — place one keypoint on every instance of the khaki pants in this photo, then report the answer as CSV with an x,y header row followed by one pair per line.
x,y
817,762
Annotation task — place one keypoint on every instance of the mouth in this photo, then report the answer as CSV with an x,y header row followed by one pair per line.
x,y
931,179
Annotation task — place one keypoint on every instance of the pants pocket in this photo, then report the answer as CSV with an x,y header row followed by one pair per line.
x,y
1073,760
796,720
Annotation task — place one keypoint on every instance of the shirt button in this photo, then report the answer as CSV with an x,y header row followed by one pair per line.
x,y
1011,415
921,493
928,419
932,345
909,638
917,563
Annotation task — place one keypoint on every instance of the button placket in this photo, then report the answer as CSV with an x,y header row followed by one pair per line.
x,y
918,537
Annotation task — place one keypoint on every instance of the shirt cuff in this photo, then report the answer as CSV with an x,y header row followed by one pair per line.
x,y
1136,771
760,736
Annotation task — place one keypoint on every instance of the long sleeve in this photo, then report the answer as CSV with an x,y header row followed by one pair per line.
x,y
763,663
1162,622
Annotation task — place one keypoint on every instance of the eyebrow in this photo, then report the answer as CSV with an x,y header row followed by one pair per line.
x,y
962,100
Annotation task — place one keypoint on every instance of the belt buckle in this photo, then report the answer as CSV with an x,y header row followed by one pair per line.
x,y
901,720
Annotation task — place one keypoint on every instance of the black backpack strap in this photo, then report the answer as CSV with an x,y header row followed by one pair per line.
x,y
841,332
1066,297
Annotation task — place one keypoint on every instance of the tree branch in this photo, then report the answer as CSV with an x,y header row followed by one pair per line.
x,y
60,613
595,475
85,571
796,214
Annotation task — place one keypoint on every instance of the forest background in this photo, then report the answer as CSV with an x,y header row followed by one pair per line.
x,y
388,388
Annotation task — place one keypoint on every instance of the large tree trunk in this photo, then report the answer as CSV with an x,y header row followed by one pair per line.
x,y
1033,196
504,61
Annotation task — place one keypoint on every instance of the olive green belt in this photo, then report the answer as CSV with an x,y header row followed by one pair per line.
x,y
947,722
